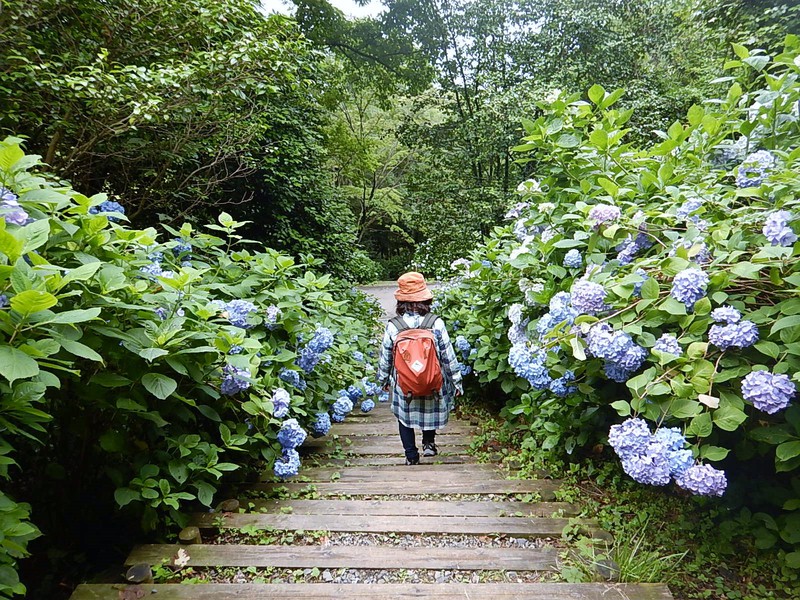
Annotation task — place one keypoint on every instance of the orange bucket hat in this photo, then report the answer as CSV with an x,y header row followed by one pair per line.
x,y
412,288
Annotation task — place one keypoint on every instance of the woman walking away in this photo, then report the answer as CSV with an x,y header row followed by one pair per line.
x,y
419,364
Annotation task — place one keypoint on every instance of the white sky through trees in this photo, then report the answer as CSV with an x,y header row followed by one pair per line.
x,y
348,7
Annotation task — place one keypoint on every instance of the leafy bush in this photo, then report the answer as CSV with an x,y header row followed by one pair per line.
x,y
657,284
155,364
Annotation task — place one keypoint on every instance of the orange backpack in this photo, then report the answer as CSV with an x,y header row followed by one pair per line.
x,y
416,361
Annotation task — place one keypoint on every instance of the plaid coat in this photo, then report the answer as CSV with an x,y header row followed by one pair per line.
x,y
429,412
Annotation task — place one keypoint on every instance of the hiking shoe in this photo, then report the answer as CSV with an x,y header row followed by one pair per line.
x,y
412,462
429,449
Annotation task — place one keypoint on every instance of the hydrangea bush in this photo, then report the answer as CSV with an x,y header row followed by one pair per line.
x,y
162,363
658,286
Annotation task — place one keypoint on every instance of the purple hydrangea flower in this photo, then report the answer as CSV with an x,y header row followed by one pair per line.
x,y
669,344
322,340
736,335
280,403
292,378
768,392
726,314
161,312
754,169
650,467
367,405
701,256
234,380
588,297
777,230
689,286
703,480
287,464
603,213
631,437
573,259
291,435
629,248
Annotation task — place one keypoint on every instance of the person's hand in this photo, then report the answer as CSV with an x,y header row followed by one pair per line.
x,y
459,393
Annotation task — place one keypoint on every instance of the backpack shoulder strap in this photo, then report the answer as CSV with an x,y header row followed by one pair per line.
x,y
428,321
399,323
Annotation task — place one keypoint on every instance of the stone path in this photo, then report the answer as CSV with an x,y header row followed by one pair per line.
x,y
360,524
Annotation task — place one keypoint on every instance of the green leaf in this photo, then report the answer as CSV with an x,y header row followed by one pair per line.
x,y
650,289
746,270
596,93
159,385
70,317
783,323
125,496
112,441
577,348
82,273
713,453
150,354
15,364
729,418
34,235
700,426
622,407
205,492
81,350
568,140
788,450
32,301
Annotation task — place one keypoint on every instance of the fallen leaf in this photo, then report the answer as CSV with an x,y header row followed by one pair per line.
x,y
710,401
181,559
132,592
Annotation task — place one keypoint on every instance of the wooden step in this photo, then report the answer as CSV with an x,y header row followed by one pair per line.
x,y
544,487
383,447
401,472
386,591
355,557
390,440
364,429
512,526
411,508
397,460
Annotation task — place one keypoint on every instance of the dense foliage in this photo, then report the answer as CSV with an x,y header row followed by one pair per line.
x,y
658,284
147,369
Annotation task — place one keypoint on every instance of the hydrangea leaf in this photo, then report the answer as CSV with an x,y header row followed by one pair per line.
x,y
729,418
15,364
159,385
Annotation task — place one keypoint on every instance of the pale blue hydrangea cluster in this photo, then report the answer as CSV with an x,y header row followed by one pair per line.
x,y
689,286
518,332
588,297
287,464
367,405
561,310
621,354
603,213
234,380
688,207
516,211
522,232
273,313
703,480
726,314
291,435
668,344
354,392
322,340
734,335
697,248
10,209
561,386
383,396
235,349
652,459
4,301
237,311
292,378
631,246
322,425
280,402
308,359
154,269
528,363
754,168
370,387
768,392
108,206
777,230
181,246
358,356
573,259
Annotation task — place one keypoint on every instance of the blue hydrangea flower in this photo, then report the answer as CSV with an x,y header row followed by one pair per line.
x,y
342,406
560,386
670,437
161,312
181,246
383,397
777,230
287,464
768,392
486,263
4,301
637,287
237,311
561,311
367,405
462,344
736,335
465,370
529,364
322,425
235,349
588,297
680,461
629,248
615,372
152,270
517,210
358,356
338,417
697,248
688,207
515,313
726,314
371,388
689,286
573,259
308,359
354,393
703,480
273,314
234,380
292,378
108,207
669,344
603,213
280,402
322,340
518,334
291,435
754,169
10,209
630,437
650,467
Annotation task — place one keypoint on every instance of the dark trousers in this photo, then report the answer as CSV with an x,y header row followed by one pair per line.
x,y
410,443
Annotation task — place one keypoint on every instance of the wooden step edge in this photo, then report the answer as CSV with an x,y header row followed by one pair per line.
x,y
349,557
385,591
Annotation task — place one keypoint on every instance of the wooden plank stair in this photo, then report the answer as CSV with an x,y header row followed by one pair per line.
x,y
368,512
